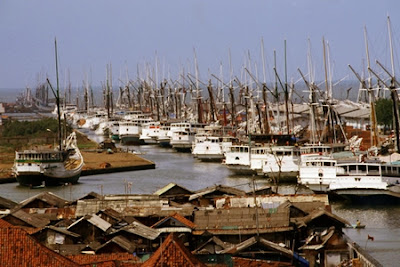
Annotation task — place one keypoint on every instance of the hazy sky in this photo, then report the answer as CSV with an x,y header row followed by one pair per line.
x,y
130,35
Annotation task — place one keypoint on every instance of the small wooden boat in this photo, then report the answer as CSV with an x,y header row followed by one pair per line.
x,y
358,226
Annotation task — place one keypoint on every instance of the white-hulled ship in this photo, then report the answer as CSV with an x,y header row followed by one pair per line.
x,y
49,166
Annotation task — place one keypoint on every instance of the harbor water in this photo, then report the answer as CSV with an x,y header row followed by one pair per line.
x,y
382,222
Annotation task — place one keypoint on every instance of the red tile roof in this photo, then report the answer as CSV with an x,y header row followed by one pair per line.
x,y
17,248
5,224
105,259
172,253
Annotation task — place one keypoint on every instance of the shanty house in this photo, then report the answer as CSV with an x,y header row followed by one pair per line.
x,y
174,192
91,228
54,237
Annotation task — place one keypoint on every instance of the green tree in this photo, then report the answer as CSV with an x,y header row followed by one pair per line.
x,y
384,112
30,128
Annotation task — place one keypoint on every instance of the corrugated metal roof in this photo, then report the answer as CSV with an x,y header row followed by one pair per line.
x,y
243,231
7,203
225,189
120,241
121,204
174,230
61,230
317,245
140,230
95,220
253,240
47,197
30,219
318,213
269,200
239,219
202,248
99,222
168,187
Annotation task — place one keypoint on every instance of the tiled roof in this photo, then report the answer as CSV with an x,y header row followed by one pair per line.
x,y
17,248
172,253
4,224
90,259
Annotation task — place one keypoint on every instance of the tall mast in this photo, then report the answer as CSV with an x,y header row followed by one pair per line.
x,y
391,46
393,92
58,98
198,98
264,91
374,132
232,92
277,95
286,93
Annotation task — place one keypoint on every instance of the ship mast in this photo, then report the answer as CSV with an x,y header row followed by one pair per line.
x,y
58,98
374,132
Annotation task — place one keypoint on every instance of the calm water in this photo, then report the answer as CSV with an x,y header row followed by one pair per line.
x,y
382,222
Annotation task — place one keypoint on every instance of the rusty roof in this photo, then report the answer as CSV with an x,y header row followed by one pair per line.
x,y
240,220
139,229
47,197
270,200
32,220
176,217
111,213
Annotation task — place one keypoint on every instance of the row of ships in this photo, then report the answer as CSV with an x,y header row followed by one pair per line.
x,y
338,168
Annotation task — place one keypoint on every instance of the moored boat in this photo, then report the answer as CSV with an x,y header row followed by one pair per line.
x,y
351,179
49,166
211,148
